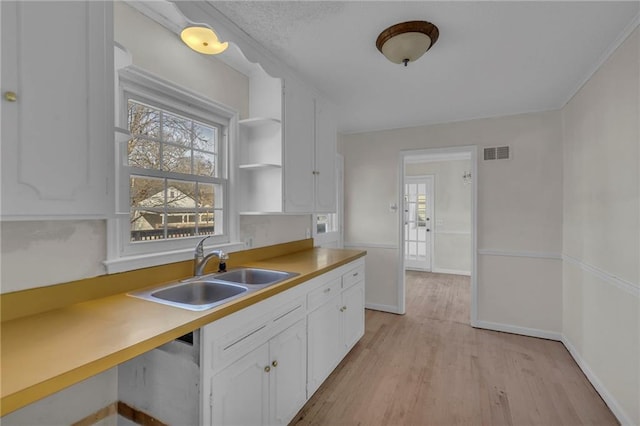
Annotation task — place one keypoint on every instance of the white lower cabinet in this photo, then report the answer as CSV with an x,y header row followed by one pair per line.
x,y
352,315
266,386
335,326
261,364
288,375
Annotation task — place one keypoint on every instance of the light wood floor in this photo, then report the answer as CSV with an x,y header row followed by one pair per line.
x,y
429,367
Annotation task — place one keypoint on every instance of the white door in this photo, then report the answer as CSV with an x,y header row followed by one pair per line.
x,y
418,221
324,342
288,378
240,392
353,315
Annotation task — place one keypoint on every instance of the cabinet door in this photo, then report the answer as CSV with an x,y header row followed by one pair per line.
x,y
240,392
298,169
353,315
325,343
325,159
288,392
57,136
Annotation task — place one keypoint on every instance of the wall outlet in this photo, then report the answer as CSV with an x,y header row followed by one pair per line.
x,y
248,242
307,233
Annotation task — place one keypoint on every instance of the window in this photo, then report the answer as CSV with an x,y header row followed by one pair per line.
x,y
326,226
172,173
326,222
175,186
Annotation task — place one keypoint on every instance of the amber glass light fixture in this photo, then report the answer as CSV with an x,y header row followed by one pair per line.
x,y
406,42
203,39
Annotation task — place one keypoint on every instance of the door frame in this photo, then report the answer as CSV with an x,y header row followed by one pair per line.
x,y
432,187
444,154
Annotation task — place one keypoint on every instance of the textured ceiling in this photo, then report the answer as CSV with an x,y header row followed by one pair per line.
x,y
492,58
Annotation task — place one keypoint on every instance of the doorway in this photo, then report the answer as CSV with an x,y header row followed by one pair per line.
x,y
418,214
445,226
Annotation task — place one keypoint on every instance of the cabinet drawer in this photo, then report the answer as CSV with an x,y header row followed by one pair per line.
x,y
240,341
353,276
320,295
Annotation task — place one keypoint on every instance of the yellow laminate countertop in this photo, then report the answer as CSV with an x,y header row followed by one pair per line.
x,y
47,352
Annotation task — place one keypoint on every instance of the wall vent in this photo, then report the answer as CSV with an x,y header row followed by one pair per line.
x,y
497,153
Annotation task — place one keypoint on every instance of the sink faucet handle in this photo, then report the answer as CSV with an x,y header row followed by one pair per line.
x,y
200,248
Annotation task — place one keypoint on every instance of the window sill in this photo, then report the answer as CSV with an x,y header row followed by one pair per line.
x,y
130,263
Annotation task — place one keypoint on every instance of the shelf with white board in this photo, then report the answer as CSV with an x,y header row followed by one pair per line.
x,y
258,166
259,122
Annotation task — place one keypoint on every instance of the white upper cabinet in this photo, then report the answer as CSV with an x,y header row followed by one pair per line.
x,y
299,169
325,158
287,150
57,109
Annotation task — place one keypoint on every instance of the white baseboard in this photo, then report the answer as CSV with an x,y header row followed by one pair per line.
x,y
611,402
525,331
451,271
384,308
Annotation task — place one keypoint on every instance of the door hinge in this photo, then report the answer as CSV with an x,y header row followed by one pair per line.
x,y
211,399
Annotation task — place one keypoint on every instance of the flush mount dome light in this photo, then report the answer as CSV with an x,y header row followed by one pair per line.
x,y
405,42
203,39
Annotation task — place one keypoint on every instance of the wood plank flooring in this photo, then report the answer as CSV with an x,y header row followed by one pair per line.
x,y
430,367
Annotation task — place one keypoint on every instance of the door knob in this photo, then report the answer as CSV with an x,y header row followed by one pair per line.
x,y
267,369
274,363
10,96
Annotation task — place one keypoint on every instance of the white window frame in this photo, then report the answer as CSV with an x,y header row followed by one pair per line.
x,y
142,86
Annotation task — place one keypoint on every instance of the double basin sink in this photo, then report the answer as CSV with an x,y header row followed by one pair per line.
x,y
201,293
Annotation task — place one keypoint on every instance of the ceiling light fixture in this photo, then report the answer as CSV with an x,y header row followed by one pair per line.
x,y
407,41
203,39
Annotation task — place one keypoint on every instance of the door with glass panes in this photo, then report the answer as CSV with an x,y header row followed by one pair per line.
x,y
418,222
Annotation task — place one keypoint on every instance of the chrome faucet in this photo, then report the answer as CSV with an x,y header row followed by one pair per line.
x,y
200,260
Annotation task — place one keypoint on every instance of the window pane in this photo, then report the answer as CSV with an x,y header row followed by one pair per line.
x,y
176,159
204,164
181,195
176,130
205,137
147,202
206,195
143,120
146,192
143,153
181,209
181,223
146,226
206,222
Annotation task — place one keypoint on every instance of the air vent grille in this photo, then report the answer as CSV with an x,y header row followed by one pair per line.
x,y
502,153
497,153
489,153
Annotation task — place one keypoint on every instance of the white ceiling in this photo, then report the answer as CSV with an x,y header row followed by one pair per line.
x,y
492,58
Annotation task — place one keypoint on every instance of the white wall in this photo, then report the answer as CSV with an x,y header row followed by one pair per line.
x,y
519,212
70,405
451,226
34,254
601,233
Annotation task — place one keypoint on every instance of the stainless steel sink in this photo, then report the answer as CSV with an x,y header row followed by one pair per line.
x,y
195,295
201,293
254,276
